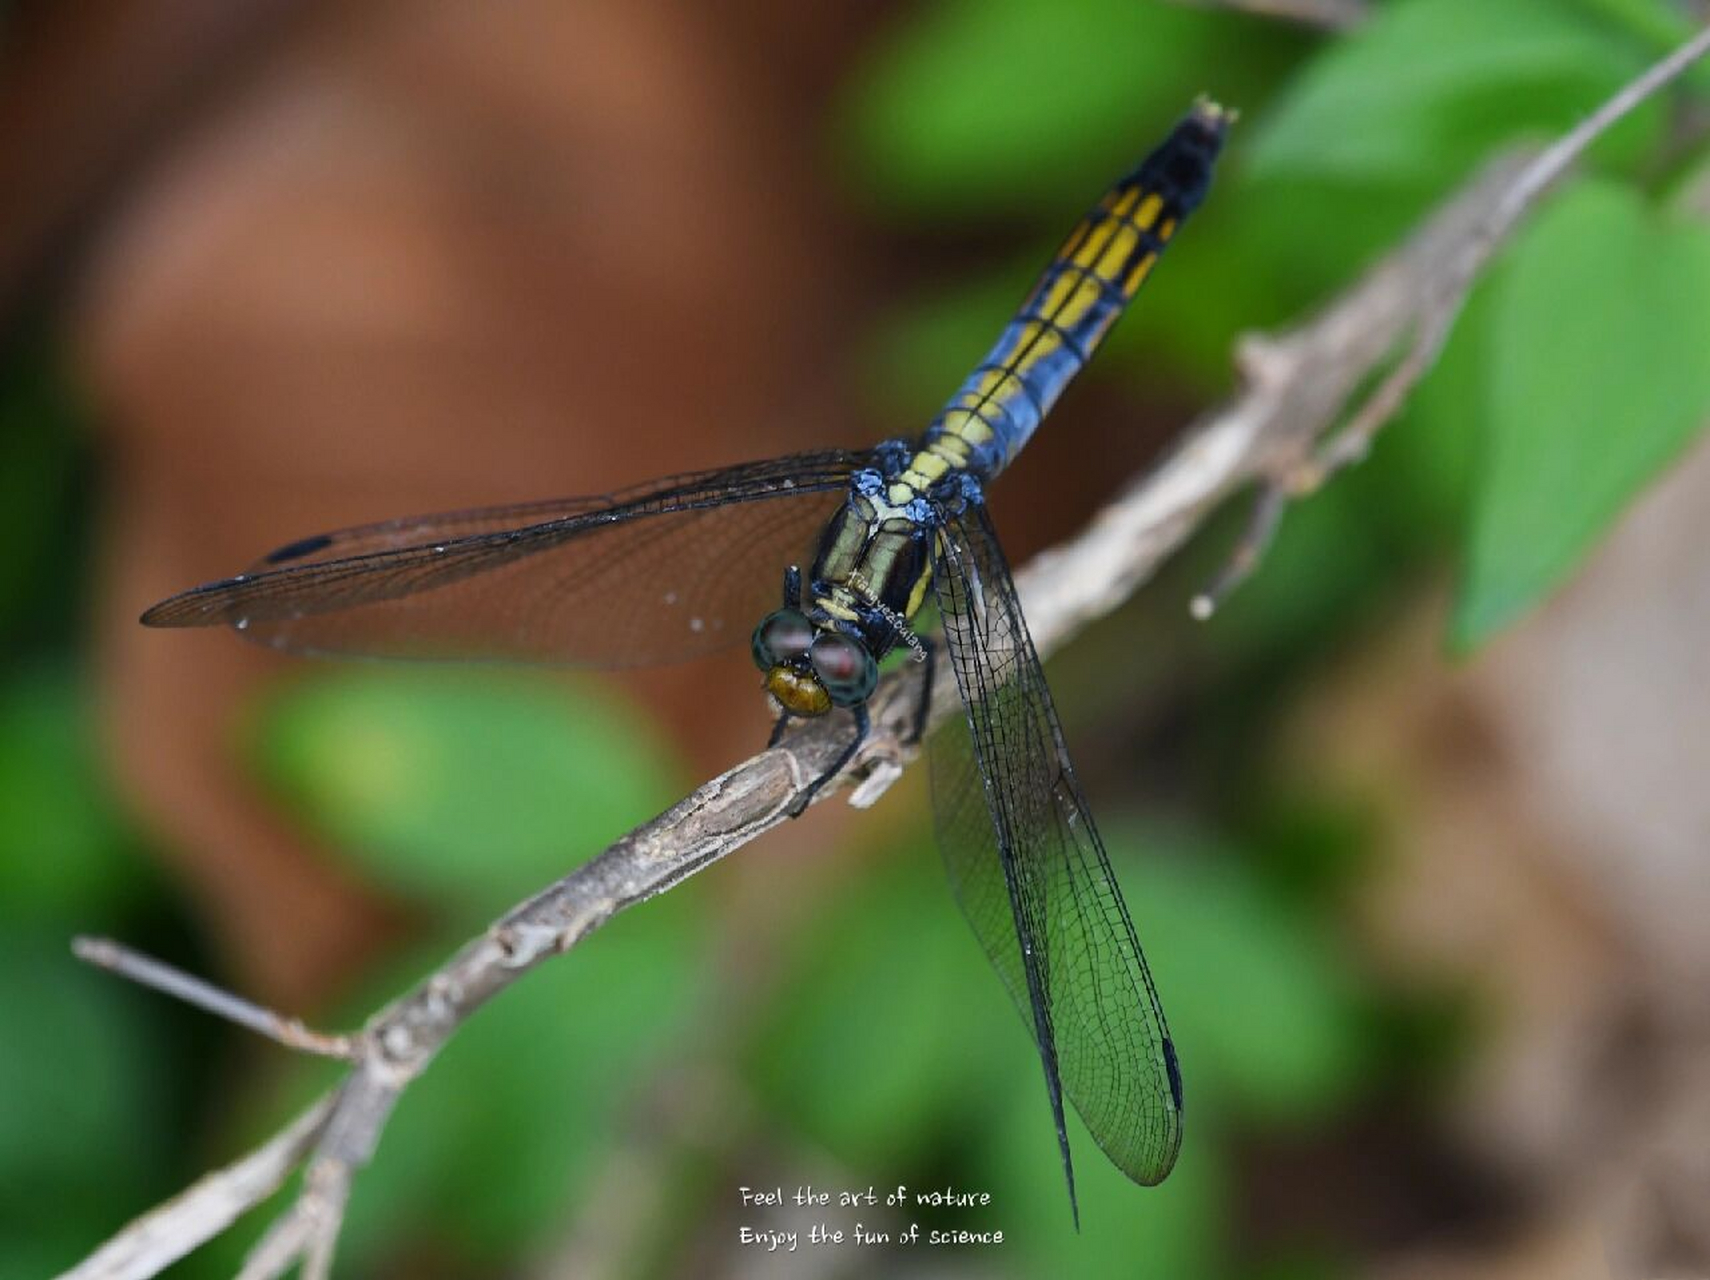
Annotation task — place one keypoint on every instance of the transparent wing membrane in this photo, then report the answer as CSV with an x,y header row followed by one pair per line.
x,y
662,572
1031,874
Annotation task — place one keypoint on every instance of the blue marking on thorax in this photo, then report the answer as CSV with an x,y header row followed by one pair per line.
x,y
921,512
964,490
869,482
891,456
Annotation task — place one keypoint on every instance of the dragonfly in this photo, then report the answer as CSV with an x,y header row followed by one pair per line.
x,y
685,565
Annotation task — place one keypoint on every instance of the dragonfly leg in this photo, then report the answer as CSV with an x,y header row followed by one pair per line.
x,y
862,724
793,587
778,730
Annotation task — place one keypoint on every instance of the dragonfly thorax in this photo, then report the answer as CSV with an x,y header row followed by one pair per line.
x,y
874,567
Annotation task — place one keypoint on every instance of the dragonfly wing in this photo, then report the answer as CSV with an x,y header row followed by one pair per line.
x,y
668,570
1032,876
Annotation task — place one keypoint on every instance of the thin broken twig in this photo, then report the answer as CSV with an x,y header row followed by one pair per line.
x,y
146,971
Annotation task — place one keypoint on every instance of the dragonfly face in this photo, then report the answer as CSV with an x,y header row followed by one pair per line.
x,y
684,565
808,669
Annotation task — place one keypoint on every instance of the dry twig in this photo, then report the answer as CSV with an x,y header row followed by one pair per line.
x,y
153,1242
117,958
1277,430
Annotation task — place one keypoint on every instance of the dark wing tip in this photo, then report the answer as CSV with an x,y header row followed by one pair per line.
x,y
1161,1160
163,614
298,549
1173,1068
193,608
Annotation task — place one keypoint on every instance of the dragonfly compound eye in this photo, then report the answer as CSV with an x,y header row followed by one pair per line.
x,y
781,638
844,667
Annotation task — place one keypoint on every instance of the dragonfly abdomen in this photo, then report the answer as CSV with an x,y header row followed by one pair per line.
x,y
1080,294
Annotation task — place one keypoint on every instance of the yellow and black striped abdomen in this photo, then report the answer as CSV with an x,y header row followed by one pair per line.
x,y
1085,288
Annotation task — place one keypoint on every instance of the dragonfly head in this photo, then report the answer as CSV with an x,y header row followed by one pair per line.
x,y
810,669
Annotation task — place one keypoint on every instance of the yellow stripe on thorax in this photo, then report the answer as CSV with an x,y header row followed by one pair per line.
x,y
839,604
917,593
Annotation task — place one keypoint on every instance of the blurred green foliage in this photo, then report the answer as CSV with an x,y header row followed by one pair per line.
x,y
62,829
522,1116
467,789
88,1072
43,493
81,1076
1429,88
879,1043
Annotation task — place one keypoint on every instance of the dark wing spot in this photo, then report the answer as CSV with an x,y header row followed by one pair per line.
x,y
1175,1071
298,549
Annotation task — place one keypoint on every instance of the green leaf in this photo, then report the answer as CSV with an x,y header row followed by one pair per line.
x,y
65,1088
1427,88
998,101
953,1085
1597,380
468,788
924,346
1659,23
